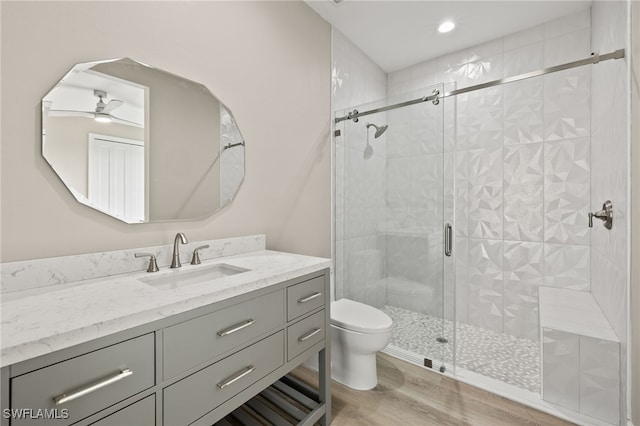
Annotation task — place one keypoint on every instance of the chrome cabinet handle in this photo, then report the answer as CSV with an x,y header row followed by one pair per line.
x,y
64,398
239,375
236,327
448,240
309,335
308,298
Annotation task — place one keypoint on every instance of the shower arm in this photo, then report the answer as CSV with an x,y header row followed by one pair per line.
x,y
436,96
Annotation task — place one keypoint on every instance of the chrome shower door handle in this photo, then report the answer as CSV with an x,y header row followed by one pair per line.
x,y
448,240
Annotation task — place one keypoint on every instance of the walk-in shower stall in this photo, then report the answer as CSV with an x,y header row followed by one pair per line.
x,y
461,211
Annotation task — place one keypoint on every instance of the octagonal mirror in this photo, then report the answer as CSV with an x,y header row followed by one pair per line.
x,y
141,144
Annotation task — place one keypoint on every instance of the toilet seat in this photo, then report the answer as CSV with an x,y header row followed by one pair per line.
x,y
356,316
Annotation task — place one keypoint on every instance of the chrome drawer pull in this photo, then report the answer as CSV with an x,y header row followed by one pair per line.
x,y
239,375
236,327
308,298
64,398
309,334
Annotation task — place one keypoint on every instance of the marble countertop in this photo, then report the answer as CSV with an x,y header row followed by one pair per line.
x,y
39,321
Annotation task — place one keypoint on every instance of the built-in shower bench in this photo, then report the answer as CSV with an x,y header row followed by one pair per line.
x,y
580,354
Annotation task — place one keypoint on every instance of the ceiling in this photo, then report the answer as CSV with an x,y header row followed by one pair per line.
x,y
396,34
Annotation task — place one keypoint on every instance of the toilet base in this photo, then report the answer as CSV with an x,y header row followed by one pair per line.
x,y
357,371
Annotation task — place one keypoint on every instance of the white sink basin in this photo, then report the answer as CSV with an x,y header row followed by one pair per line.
x,y
181,278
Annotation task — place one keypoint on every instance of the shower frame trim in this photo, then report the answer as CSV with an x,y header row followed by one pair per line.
x,y
591,60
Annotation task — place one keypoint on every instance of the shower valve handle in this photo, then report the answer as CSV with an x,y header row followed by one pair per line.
x,y
605,215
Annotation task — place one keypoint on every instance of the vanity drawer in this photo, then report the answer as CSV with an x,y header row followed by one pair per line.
x,y
305,297
96,380
304,334
142,413
196,395
193,342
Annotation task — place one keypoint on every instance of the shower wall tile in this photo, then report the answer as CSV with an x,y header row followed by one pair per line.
x,y
524,38
426,186
566,191
567,266
454,74
462,119
567,48
560,368
568,24
485,50
398,261
566,104
454,119
610,168
523,192
524,59
523,274
523,112
461,254
339,191
424,74
486,193
398,193
485,125
449,194
462,193
486,284
427,129
600,379
484,70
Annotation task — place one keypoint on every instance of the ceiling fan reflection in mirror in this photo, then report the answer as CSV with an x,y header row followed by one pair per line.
x,y
102,112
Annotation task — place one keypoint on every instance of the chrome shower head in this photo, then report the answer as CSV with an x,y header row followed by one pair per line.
x,y
379,130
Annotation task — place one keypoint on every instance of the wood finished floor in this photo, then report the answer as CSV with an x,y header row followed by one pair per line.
x,y
409,395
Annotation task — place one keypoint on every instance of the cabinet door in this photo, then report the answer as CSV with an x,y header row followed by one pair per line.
x,y
193,342
141,413
86,384
196,395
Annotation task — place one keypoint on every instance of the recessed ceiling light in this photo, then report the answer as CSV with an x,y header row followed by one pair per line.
x,y
446,26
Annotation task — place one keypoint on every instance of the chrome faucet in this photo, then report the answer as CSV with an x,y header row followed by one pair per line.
x,y
180,238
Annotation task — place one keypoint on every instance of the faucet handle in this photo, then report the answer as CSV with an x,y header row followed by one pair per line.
x,y
195,260
153,265
605,215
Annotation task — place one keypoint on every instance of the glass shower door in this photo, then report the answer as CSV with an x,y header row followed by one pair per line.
x,y
390,220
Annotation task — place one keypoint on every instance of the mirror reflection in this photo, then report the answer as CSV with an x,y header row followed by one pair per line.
x,y
141,144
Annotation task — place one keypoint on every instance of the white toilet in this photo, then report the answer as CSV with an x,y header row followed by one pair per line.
x,y
358,331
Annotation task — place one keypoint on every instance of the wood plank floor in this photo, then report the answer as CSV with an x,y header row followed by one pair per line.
x,y
409,395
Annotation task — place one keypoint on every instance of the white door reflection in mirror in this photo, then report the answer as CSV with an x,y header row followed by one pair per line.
x,y
117,177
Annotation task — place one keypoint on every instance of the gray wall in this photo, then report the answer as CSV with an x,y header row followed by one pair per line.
x,y
269,62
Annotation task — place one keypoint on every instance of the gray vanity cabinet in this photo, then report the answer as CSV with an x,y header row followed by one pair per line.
x,y
193,342
141,413
119,371
191,368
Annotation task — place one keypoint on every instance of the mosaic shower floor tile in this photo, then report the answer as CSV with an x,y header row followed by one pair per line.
x,y
513,360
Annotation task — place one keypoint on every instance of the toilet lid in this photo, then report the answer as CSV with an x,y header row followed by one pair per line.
x,y
357,316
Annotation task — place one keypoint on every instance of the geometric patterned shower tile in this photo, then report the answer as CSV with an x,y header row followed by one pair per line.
x,y
567,112
485,193
567,183
523,192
